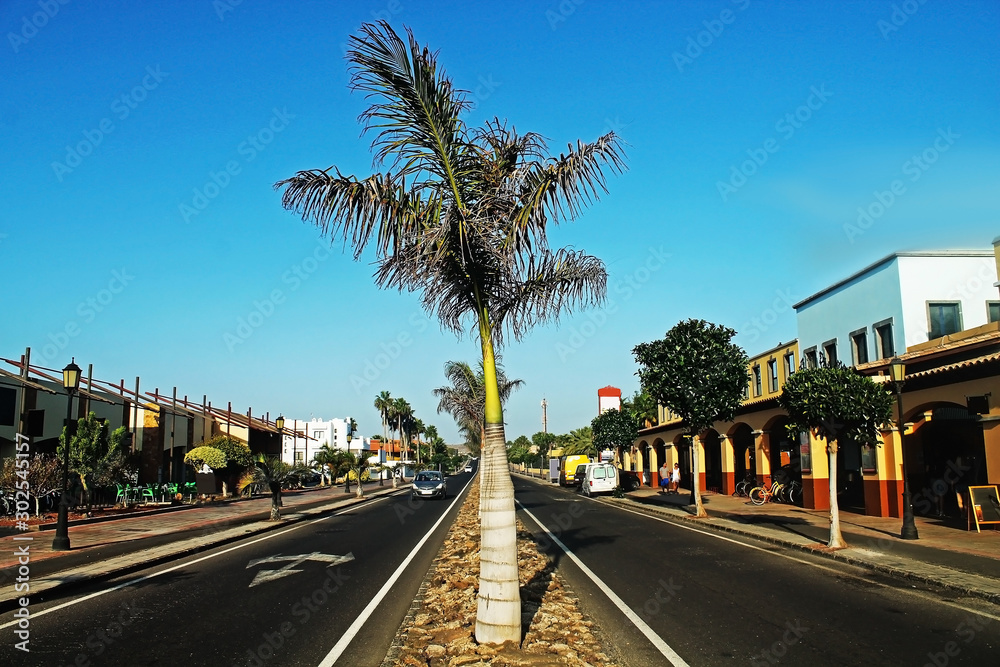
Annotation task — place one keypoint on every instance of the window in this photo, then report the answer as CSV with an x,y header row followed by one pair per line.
x,y
772,375
300,457
756,380
993,311
944,317
789,364
809,357
859,346
746,391
830,352
883,339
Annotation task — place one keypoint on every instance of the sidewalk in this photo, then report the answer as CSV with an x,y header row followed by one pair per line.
x,y
197,529
944,555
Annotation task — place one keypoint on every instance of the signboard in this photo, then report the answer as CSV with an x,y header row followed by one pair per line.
x,y
984,505
805,452
554,470
869,459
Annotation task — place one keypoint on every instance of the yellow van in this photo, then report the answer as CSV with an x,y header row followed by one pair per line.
x,y
567,468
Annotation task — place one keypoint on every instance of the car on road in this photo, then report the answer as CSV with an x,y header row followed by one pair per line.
x,y
581,472
468,467
599,478
567,468
428,484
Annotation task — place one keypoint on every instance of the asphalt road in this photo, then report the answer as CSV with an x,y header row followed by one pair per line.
x,y
279,598
724,600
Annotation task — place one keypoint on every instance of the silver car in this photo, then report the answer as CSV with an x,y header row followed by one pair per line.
x,y
428,484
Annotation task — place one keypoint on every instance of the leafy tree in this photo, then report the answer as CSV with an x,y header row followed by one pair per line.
x,y
238,459
202,456
835,403
614,428
519,451
460,215
544,442
644,407
699,373
95,456
43,475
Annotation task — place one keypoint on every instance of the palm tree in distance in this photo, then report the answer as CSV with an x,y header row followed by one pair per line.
x,y
460,215
465,399
403,413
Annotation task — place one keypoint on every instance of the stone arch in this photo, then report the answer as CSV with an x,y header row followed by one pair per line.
x,y
712,447
741,441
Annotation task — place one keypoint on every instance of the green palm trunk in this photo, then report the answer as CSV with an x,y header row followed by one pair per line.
x,y
498,615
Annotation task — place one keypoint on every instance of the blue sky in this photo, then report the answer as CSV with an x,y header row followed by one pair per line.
x,y
140,144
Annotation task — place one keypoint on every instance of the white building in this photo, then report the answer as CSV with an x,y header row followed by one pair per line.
x,y
899,301
311,435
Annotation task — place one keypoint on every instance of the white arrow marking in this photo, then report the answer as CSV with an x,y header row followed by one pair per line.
x,y
270,575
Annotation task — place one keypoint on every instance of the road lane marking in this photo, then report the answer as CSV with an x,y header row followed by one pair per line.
x,y
147,577
270,575
348,636
655,639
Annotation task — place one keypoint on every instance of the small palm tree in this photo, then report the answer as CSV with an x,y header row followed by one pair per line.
x,y
275,474
326,458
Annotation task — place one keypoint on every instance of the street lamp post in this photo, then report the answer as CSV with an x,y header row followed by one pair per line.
x,y
279,423
71,382
897,370
347,475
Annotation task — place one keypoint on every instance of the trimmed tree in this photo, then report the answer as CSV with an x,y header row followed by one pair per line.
x,y
699,373
205,456
614,428
835,403
238,459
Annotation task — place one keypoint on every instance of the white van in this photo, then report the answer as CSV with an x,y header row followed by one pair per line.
x,y
600,478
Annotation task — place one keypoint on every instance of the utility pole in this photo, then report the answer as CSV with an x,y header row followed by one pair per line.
x,y
545,416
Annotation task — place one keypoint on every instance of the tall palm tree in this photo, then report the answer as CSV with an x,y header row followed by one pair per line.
x,y
403,413
383,403
460,215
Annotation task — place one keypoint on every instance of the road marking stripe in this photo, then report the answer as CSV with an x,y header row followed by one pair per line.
x,y
185,564
654,638
362,618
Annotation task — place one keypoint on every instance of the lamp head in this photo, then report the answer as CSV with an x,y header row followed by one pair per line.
x,y
897,370
280,422
71,376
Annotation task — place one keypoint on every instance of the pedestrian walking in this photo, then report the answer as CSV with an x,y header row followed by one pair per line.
x,y
675,478
664,477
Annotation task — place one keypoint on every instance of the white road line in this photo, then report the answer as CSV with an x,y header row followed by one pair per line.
x,y
839,572
147,577
655,639
362,618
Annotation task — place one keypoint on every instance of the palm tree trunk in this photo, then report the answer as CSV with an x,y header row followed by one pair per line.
x,y
498,614
836,538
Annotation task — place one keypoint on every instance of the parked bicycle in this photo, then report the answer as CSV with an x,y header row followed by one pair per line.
x,y
744,486
763,494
